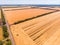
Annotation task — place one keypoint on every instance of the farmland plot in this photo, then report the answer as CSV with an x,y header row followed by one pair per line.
x,y
56,8
38,30
1,33
18,15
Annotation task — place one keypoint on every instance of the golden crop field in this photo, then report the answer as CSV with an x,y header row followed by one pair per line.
x,y
38,31
20,37
44,7
18,15
1,33
56,8
42,30
21,7
0,14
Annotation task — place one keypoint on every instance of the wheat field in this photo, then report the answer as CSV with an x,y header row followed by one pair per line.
x,y
44,30
1,33
18,15
39,30
0,14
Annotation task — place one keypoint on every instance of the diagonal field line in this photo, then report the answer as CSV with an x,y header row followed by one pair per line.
x,y
34,17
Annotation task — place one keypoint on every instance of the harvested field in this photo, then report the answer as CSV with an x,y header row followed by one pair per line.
x,y
43,28
1,33
39,31
0,14
21,38
44,7
18,15
57,8
21,7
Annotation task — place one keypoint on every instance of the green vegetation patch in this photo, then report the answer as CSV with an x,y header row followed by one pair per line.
x,y
3,19
5,33
8,42
1,42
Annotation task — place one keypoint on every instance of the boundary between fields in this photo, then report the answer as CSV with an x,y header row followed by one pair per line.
x,y
33,17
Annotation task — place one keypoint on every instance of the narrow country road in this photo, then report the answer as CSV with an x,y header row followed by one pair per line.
x,y
10,34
